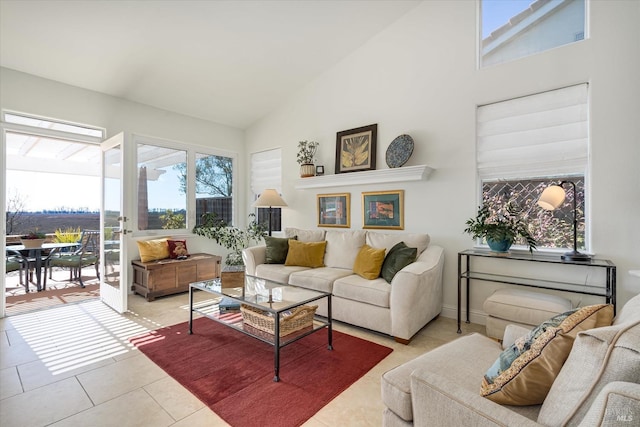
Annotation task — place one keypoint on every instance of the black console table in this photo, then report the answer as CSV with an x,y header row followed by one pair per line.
x,y
466,273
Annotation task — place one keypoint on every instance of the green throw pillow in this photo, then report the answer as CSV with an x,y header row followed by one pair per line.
x,y
398,258
277,249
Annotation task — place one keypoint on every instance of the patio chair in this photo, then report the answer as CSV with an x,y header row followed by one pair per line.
x,y
27,264
86,255
14,261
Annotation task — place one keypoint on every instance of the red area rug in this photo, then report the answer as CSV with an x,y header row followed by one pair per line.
x,y
233,373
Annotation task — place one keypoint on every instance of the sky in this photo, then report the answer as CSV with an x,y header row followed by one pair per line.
x,y
41,191
48,191
496,13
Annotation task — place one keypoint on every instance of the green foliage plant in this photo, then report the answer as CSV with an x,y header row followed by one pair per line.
x,y
171,221
506,224
68,235
306,151
32,235
232,238
108,233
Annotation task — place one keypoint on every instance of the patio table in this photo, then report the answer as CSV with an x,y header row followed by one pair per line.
x,y
36,254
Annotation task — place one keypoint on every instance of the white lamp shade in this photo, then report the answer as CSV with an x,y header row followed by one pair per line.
x,y
269,198
552,198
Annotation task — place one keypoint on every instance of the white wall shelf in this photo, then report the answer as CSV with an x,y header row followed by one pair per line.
x,y
380,176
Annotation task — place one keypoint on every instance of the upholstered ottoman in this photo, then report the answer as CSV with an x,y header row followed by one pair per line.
x,y
520,307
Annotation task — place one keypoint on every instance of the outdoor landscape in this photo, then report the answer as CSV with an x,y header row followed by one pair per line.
x,y
19,223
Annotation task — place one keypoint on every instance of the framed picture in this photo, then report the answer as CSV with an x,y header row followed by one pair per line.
x,y
383,209
334,210
356,149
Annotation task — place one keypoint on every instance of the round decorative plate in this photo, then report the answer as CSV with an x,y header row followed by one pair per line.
x,y
399,151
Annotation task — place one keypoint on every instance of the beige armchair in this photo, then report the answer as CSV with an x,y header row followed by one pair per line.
x,y
599,384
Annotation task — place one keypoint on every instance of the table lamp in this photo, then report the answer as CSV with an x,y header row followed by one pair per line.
x,y
551,199
269,199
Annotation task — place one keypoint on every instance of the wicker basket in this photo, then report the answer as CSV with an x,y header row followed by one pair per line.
x,y
300,318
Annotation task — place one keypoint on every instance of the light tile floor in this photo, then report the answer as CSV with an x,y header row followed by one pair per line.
x,y
73,366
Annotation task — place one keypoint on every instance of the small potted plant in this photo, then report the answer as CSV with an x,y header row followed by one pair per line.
x,y
33,239
306,152
500,229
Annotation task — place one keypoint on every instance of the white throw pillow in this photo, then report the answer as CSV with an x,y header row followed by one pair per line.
x,y
389,240
304,235
343,247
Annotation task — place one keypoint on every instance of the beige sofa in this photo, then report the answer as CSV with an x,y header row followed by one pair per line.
x,y
399,309
598,385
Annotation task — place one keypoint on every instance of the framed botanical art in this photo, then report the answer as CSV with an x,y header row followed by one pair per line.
x,y
356,149
334,210
383,209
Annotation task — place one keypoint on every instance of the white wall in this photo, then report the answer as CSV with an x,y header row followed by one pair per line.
x,y
419,77
34,95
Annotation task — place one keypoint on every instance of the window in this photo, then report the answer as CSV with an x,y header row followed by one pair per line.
x,y
162,200
266,173
214,187
528,143
56,125
511,29
173,181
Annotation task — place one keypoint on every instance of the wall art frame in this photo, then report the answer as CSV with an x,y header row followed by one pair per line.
x,y
356,149
334,210
383,209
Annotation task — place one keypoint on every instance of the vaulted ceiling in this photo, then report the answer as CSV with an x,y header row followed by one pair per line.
x,y
230,62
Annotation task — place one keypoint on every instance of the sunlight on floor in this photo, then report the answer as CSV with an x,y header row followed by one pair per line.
x,y
208,306
72,336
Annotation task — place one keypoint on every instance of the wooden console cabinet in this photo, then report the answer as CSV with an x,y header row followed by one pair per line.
x,y
171,276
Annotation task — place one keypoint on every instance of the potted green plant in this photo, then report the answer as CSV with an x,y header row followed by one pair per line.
x,y
500,229
306,153
232,238
33,239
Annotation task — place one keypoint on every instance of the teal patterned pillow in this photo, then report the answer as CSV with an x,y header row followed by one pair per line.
x,y
525,372
522,344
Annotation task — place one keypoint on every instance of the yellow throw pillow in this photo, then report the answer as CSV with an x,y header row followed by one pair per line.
x,y
369,262
306,254
524,372
151,250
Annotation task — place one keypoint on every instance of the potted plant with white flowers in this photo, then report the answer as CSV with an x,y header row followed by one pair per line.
x,y
500,229
306,153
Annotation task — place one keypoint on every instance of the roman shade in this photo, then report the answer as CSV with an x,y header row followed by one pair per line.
x,y
540,135
266,171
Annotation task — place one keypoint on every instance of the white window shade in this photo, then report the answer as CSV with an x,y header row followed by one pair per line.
x,y
534,136
266,171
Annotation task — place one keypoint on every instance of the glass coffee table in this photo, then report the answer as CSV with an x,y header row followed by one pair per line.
x,y
267,300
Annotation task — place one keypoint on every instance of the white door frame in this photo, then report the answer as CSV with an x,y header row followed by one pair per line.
x,y
116,298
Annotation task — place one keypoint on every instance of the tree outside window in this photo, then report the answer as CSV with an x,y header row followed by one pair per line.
x,y
214,186
551,229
